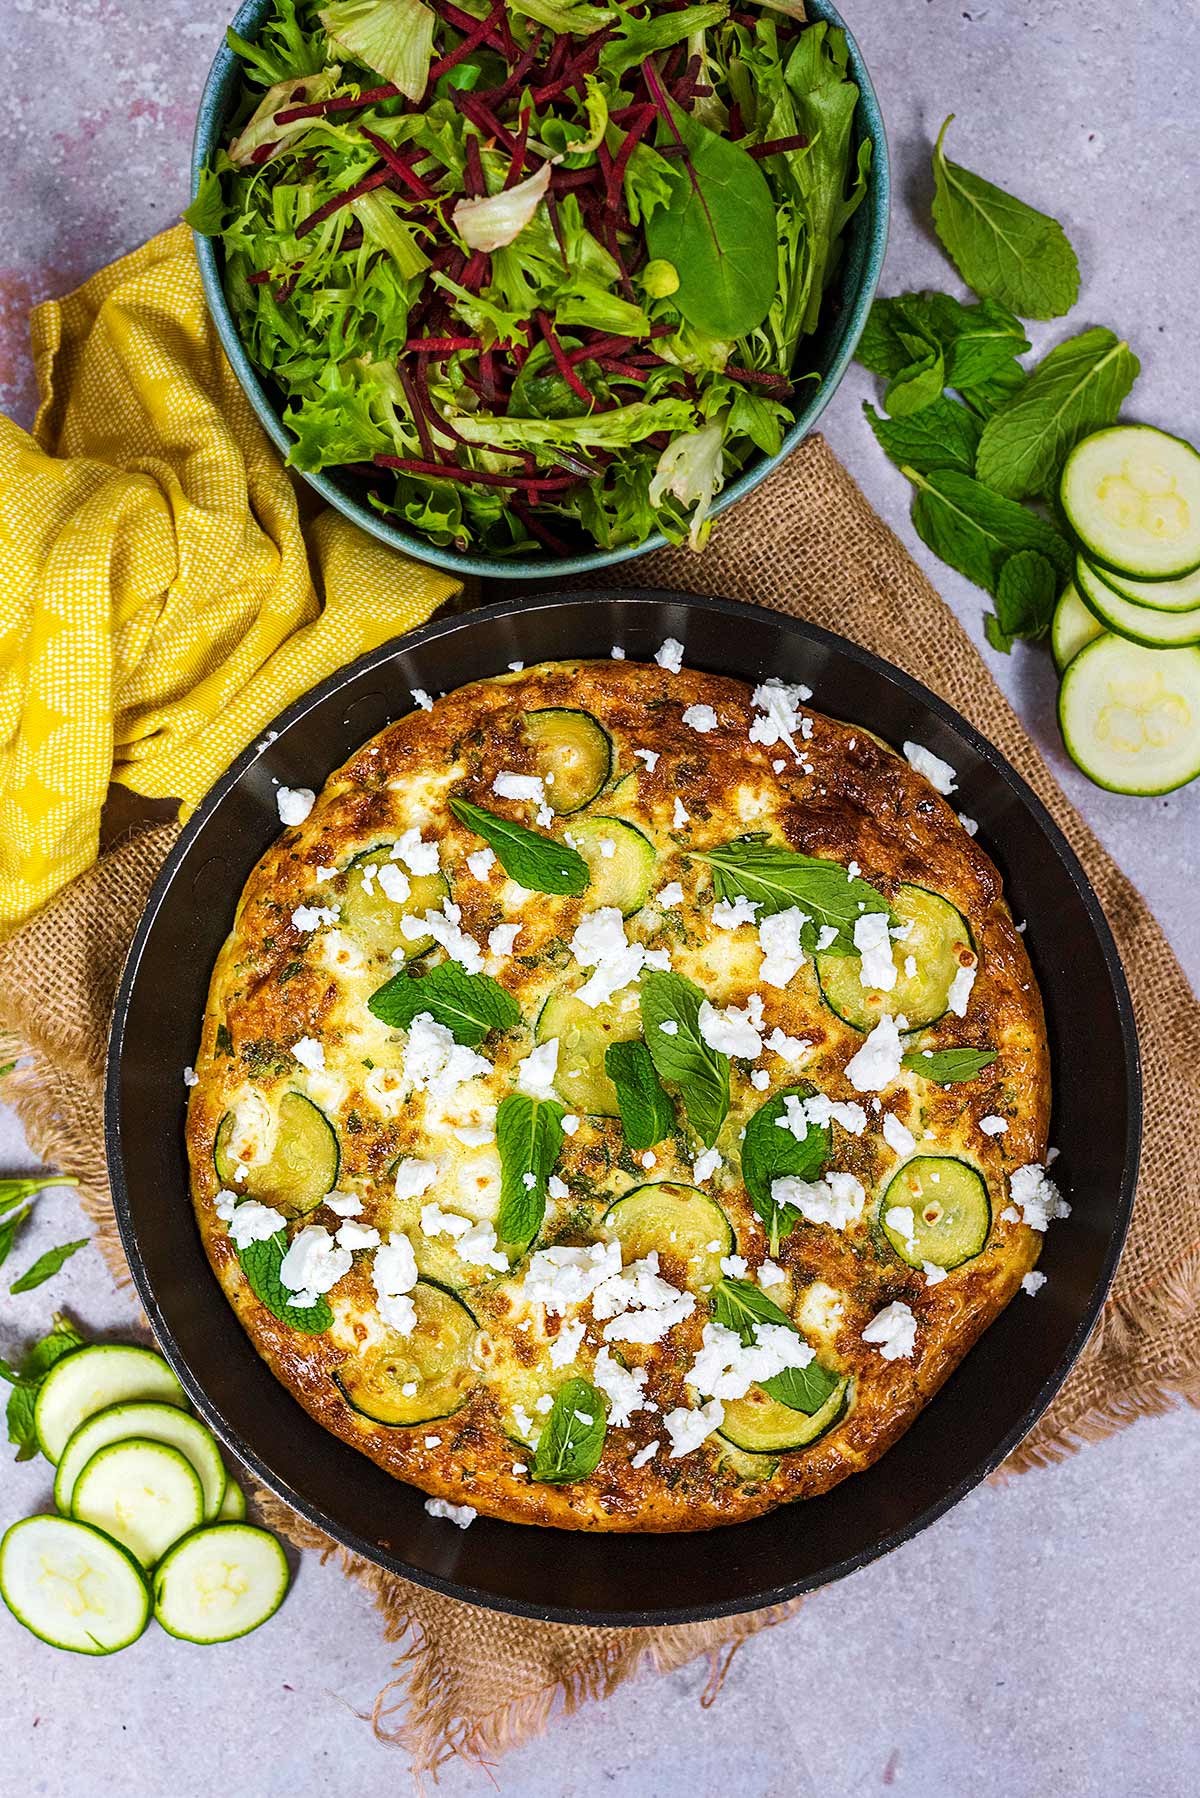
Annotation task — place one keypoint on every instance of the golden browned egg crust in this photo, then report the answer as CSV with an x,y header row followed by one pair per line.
x,y
352,1131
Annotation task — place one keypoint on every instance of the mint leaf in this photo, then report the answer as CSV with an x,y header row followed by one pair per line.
x,y
987,397
996,635
62,1339
15,1192
1078,388
718,230
742,1305
261,1262
770,1152
1004,249
980,342
777,879
1026,594
469,1005
10,1229
941,435
918,383
976,530
534,861
572,1439
47,1265
647,1115
681,1055
529,1135
949,1066
802,1388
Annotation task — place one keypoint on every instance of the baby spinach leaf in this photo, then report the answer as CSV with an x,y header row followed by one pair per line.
x,y
534,861
976,530
803,1388
261,1262
777,879
681,1055
942,435
47,1265
1002,248
647,1115
718,231
469,1005
529,1135
949,1066
1079,387
572,1440
769,1152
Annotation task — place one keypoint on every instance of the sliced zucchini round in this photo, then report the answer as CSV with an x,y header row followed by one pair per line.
x,y
373,920
1130,716
621,859
584,1033
1132,497
1072,627
750,1470
1182,595
1137,623
435,1358
71,1586
148,1422
952,1214
143,1494
220,1583
91,1380
939,936
233,1504
679,1221
574,755
304,1162
759,1424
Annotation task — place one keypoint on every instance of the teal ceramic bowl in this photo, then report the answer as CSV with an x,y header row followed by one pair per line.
x,y
829,351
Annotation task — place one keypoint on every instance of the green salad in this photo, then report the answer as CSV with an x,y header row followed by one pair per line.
x,y
535,275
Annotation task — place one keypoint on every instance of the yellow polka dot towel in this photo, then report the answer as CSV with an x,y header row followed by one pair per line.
x,y
164,592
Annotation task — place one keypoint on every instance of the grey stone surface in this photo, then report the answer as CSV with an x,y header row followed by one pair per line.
x,y
1043,1636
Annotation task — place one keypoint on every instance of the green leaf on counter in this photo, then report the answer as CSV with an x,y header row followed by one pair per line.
x,y
918,383
47,1265
1078,388
647,1115
469,1005
61,1339
680,1054
1026,594
572,1439
976,530
536,862
941,435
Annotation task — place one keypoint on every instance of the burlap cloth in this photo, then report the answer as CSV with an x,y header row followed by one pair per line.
x,y
471,1681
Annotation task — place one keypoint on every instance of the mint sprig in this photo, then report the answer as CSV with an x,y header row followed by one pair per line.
x,y
261,1262
770,1153
647,1115
572,1440
469,1005
26,1379
47,1265
529,1135
741,1305
534,861
777,878
948,1067
680,1055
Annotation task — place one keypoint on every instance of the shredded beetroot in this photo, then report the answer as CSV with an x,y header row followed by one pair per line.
x,y
561,360
375,179
399,166
416,412
478,34
473,181
759,377
440,346
454,471
517,166
776,145
537,529
317,109
462,21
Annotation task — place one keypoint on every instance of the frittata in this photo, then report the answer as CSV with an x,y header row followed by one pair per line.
x,y
622,1098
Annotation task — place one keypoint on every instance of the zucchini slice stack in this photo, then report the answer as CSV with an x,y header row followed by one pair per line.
x,y
1126,632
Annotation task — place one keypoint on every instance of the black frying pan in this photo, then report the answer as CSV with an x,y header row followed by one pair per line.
x,y
984,1409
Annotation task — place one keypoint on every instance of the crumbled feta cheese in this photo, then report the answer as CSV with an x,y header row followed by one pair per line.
x,y
607,848
311,917
670,656
190,1077
600,942
910,967
728,915
871,939
645,1454
836,1199
853,871
994,1126
1038,1196
535,1074
515,667
688,1429
557,1189
434,1062
894,1331
734,1267
669,1027
701,718
621,1386
343,1204
529,1181
501,939
560,1277
934,1275
463,1515
436,1222
900,1219
679,816
313,1262
779,940
565,1346
353,1235
968,824
443,927
897,1135
671,894
418,857
1032,1282
324,874
477,1247
310,1054
414,1177
641,1305
706,1164
544,1404
778,706
788,1048
294,804
520,786
251,1222
730,1031
570,1123
649,756
481,862
648,1159
421,698
394,883
825,936
960,991
760,1079
877,1063
475,1136
617,653
726,1368
771,1274
938,773
820,1110
1010,1215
